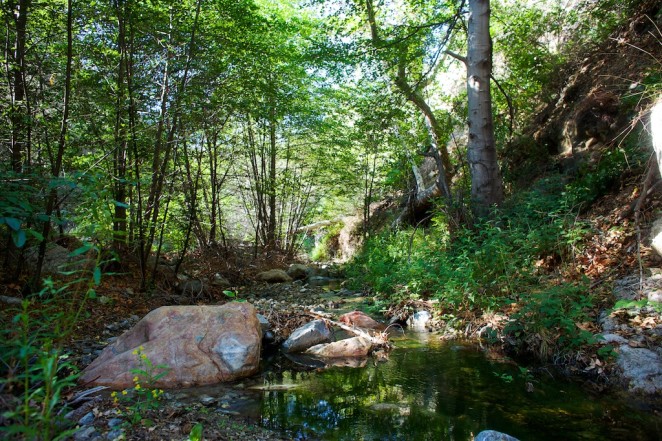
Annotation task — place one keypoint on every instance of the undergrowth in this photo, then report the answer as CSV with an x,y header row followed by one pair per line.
x,y
35,371
513,262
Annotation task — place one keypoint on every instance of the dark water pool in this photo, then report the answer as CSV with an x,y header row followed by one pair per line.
x,y
430,390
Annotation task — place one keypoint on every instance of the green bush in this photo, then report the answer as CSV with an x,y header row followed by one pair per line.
x,y
547,321
34,368
494,264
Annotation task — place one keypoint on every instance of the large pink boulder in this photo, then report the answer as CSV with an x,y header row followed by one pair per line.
x,y
361,320
200,344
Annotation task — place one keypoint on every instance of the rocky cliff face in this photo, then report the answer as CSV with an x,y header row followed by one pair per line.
x,y
606,94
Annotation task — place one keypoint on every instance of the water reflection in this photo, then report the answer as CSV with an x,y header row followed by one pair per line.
x,y
442,392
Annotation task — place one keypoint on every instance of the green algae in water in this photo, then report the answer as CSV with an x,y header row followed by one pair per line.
x,y
435,391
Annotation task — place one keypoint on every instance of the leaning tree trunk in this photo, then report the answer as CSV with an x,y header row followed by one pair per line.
x,y
486,184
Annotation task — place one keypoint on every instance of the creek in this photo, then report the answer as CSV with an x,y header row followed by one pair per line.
x,y
430,390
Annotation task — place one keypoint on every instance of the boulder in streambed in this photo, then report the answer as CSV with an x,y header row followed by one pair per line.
x,y
642,369
199,345
493,435
348,348
361,320
308,335
274,276
298,271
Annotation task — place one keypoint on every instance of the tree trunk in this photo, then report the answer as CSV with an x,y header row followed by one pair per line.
x,y
486,184
57,166
19,113
120,157
271,228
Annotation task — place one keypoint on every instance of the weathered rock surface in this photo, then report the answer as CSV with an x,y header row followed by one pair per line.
x,y
348,348
193,288
419,320
220,281
642,368
200,344
308,335
57,258
493,435
361,320
298,271
274,276
264,323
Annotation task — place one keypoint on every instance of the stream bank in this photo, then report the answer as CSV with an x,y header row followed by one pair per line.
x,y
464,378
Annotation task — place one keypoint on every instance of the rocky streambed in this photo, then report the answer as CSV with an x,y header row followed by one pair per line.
x,y
248,408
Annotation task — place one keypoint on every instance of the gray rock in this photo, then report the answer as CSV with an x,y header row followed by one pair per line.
x,y
642,369
274,276
264,323
493,435
607,322
298,271
57,258
656,236
221,281
308,335
86,433
115,422
194,287
115,434
626,288
87,419
612,339
207,401
655,296
419,320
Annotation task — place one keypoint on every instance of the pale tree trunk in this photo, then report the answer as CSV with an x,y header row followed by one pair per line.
x,y
486,184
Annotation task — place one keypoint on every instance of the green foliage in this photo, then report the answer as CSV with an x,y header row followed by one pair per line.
x,y
196,432
494,264
34,366
547,320
324,248
144,395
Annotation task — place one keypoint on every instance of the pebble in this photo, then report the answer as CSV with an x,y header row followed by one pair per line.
x,y
115,434
86,433
207,401
86,419
115,422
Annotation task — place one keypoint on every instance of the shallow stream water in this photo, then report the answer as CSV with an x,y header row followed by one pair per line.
x,y
433,390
